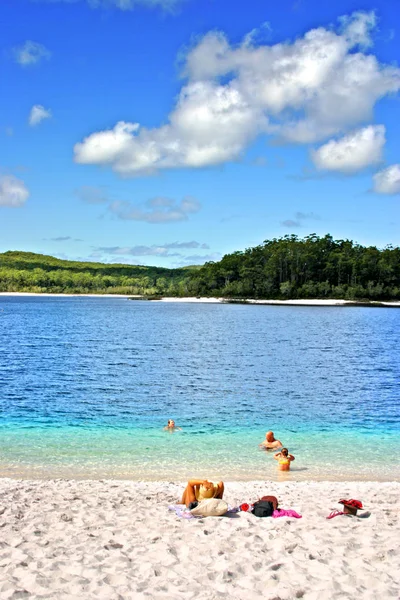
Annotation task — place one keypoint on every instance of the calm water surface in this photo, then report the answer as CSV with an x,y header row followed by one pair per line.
x,y
88,383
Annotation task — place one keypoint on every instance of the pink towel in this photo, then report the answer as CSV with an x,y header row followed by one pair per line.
x,y
281,512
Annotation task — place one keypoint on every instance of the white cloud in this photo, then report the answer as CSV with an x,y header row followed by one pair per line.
x,y
136,250
357,26
291,223
91,194
352,152
154,250
30,53
198,259
192,244
387,181
166,5
156,210
258,35
211,124
318,86
299,218
131,4
13,191
38,113
162,251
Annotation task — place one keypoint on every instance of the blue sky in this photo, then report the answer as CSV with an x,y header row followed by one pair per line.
x,y
171,132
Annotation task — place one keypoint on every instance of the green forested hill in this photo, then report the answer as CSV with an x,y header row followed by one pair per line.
x,y
29,272
283,268
312,267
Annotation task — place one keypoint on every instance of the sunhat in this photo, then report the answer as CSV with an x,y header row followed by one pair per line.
x,y
353,503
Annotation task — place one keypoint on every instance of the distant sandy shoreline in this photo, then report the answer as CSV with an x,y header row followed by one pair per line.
x,y
200,300
109,539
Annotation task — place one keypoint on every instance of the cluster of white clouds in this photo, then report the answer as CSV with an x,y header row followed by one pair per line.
x,y
321,86
156,210
166,5
168,250
131,4
163,250
13,191
319,89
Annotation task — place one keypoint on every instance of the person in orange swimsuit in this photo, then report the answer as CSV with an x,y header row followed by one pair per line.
x,y
284,459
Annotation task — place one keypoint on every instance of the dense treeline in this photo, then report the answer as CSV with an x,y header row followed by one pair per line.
x,y
312,267
283,268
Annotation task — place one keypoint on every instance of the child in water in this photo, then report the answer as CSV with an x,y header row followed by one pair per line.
x,y
284,459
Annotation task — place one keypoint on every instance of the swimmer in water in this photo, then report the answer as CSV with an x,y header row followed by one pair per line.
x,y
171,426
284,459
270,443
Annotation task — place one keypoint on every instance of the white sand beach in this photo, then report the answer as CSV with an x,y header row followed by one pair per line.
x,y
66,539
206,300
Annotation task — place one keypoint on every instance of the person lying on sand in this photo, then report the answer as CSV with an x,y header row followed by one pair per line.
x,y
284,459
270,443
200,489
171,426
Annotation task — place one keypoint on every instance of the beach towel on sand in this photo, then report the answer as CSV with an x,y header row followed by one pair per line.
x,y
182,511
185,513
281,512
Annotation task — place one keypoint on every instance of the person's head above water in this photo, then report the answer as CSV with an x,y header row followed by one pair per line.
x,y
284,451
270,442
170,426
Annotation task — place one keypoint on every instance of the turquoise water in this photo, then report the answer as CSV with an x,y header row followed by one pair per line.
x,y
87,385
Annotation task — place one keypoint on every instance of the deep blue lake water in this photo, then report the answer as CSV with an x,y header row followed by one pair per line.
x,y
87,385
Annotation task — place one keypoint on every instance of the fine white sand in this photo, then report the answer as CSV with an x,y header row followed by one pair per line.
x,y
204,300
117,540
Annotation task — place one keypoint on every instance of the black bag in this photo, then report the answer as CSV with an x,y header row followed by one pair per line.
x,y
263,509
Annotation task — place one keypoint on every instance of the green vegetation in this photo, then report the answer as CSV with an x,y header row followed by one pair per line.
x,y
29,272
283,268
312,267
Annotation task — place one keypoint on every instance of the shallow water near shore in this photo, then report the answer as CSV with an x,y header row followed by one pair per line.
x,y
88,383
